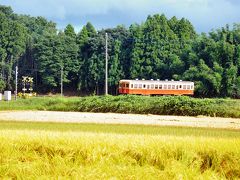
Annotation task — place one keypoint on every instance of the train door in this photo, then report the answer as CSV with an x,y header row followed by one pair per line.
x,y
121,87
126,89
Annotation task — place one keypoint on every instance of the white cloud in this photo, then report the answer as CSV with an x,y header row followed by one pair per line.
x,y
204,14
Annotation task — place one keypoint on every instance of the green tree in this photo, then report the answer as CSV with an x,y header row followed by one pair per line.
x,y
2,85
115,71
12,41
49,59
85,54
69,31
137,52
70,61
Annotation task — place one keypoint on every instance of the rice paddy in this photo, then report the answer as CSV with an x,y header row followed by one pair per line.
x,y
95,151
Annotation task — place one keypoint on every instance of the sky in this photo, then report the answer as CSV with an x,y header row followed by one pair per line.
x,y
205,15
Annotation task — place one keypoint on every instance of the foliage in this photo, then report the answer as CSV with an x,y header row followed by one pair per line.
x,y
182,106
2,85
159,48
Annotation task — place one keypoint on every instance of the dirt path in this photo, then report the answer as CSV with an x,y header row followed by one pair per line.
x,y
111,118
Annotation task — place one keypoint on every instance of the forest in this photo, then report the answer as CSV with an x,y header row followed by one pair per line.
x,y
158,48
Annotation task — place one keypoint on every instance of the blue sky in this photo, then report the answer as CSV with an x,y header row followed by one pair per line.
x,y
205,15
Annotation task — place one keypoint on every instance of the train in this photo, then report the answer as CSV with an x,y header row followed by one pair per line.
x,y
156,87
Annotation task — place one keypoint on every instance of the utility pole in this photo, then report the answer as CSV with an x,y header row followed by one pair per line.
x,y
61,80
106,66
16,82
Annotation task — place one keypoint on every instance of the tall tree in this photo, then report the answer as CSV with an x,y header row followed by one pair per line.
x,y
115,71
13,37
70,61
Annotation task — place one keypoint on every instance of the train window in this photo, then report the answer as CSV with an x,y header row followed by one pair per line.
x,y
173,86
180,86
184,86
169,86
140,86
156,86
160,86
165,87
127,85
176,86
144,86
148,86
152,86
135,86
188,86
131,85
192,87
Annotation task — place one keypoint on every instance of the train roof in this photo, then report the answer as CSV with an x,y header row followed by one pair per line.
x,y
156,81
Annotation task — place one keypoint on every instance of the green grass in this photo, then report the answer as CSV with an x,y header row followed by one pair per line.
x,y
166,105
92,151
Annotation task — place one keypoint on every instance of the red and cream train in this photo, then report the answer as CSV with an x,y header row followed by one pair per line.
x,y
156,87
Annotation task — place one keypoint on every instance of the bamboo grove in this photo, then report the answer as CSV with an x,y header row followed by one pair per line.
x,y
159,48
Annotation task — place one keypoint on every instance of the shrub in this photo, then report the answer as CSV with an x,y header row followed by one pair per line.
x,y
166,105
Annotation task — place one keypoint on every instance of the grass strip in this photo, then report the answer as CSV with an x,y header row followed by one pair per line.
x,y
165,105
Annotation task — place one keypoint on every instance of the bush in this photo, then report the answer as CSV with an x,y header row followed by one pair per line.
x,y
165,105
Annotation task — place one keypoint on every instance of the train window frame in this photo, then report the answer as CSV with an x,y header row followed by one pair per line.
x,y
131,86
184,87
140,86
177,87
160,86
173,86
148,86
165,86
169,86
156,86
135,86
188,87
152,86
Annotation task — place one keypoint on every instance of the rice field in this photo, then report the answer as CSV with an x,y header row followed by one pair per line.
x,y
95,151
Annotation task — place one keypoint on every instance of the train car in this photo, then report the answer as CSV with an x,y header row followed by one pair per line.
x,y
156,87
